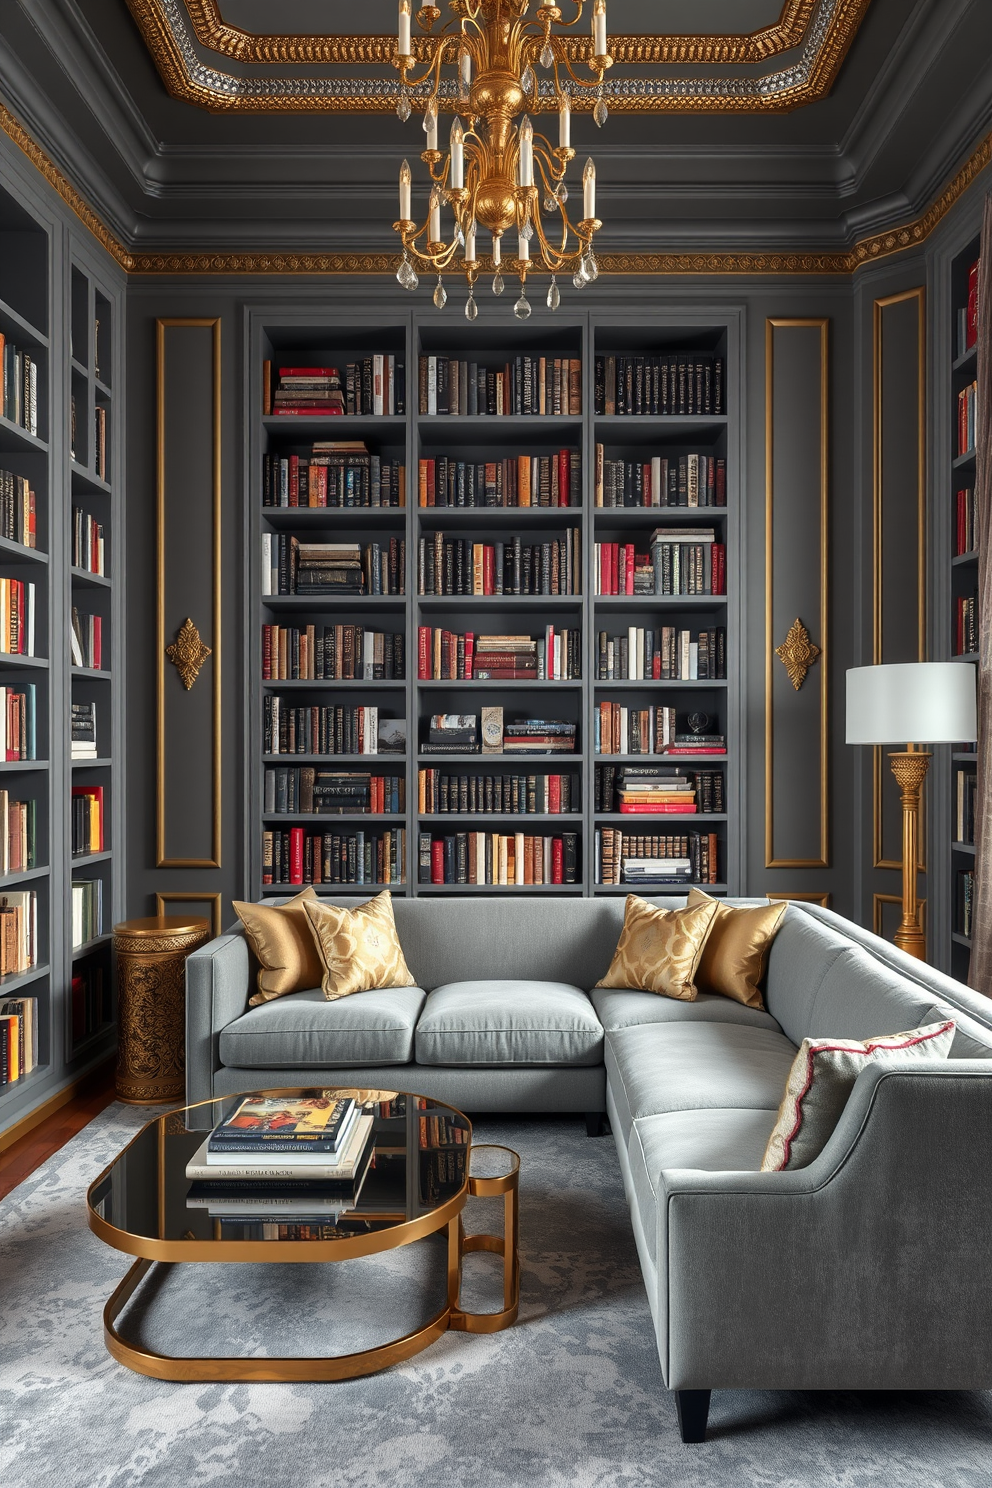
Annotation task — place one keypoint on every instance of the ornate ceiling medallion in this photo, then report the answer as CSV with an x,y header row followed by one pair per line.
x,y
797,653
188,653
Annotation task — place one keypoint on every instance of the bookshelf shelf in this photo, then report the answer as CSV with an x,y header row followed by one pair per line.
x,y
550,763
355,684
572,685
7,880
80,860
964,559
965,461
91,764
500,601
523,820
499,888
21,766
660,891
353,604
86,480
14,440
666,516
17,980
971,759
92,673
660,601
83,578
15,552
494,428
328,818
12,658
334,516
961,940
338,426
498,516
630,428
963,847
78,368
19,329
674,684
625,819
967,359
378,761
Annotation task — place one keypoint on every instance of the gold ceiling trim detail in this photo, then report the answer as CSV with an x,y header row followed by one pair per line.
x,y
174,69
218,35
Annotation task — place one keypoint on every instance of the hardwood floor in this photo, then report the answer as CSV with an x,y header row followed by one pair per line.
x,y
24,1156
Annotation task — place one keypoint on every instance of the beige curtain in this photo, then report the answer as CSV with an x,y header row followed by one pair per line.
x,y
980,971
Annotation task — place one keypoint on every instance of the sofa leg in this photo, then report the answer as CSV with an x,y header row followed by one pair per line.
x,y
595,1123
692,1408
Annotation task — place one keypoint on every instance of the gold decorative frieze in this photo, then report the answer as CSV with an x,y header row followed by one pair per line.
x,y
187,653
797,653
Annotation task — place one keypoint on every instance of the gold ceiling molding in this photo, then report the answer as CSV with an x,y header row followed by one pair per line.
x,y
823,28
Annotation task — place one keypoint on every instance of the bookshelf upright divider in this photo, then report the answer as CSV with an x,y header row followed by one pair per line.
x,y
504,548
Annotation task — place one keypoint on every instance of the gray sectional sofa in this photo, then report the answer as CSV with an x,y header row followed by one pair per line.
x,y
866,1270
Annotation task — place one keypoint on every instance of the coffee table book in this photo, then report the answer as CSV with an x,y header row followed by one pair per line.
x,y
207,1166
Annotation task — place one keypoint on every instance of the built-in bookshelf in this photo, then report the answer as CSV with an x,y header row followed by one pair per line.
x,y
533,600
963,620
59,510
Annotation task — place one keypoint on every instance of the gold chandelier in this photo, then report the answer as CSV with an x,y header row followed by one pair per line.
x,y
495,171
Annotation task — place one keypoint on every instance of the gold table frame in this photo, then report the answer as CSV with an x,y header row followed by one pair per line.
x,y
165,1253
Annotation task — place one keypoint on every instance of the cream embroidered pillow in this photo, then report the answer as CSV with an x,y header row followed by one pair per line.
x,y
359,947
281,938
821,1079
659,949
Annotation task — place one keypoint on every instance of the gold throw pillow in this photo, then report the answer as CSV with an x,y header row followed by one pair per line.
x,y
735,956
359,947
659,949
279,934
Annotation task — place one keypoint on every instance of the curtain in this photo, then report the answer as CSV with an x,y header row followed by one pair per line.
x,y
980,969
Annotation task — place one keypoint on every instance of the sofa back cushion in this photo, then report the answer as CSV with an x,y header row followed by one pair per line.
x,y
801,955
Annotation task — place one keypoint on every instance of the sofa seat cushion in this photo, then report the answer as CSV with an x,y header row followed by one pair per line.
x,y
508,1022
627,1009
305,1031
717,1140
661,1067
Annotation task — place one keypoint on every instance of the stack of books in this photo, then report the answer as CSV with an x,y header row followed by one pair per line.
x,y
87,910
655,790
539,736
674,873
308,390
328,568
308,788
83,731
18,1038
452,733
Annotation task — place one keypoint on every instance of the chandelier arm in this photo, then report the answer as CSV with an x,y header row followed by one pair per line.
x,y
581,82
555,259
437,261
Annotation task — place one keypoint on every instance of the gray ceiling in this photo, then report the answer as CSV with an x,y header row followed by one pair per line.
x,y
912,99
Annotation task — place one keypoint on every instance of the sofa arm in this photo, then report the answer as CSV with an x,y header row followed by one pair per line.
x,y
217,978
866,1270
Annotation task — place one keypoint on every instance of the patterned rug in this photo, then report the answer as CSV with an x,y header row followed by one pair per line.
x,y
571,1397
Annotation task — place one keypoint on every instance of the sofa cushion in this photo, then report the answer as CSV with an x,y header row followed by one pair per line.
x,y
626,1008
661,1067
860,998
735,956
801,955
283,943
509,1022
716,1140
305,1031
359,947
659,949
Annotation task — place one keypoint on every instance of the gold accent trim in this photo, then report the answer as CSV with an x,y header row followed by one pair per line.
x,y
772,324
877,901
188,653
161,860
216,902
797,653
918,294
823,900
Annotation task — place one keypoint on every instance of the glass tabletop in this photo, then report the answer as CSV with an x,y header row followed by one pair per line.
x,y
411,1171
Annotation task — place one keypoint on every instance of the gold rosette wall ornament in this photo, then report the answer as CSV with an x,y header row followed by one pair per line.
x,y
187,653
797,653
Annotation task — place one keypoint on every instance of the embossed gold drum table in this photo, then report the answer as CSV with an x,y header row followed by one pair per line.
x,y
151,1013
425,1168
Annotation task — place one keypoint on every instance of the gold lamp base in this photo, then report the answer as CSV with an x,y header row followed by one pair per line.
x,y
910,768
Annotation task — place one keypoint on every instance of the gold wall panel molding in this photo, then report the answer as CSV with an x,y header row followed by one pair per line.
x,y
188,653
878,903
797,653
163,900
916,295
822,899
821,783
162,858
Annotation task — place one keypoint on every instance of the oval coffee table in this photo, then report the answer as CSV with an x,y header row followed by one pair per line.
x,y
425,1169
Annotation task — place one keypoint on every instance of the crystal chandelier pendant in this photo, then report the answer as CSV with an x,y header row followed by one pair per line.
x,y
554,295
578,279
407,274
600,113
589,268
430,119
522,308
547,55
403,105
550,203
527,79
471,308
440,294
562,192
459,237
498,285
527,231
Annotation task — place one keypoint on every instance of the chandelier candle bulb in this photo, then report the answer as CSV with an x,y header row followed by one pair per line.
x,y
405,184
599,28
470,242
465,70
457,143
564,121
526,152
434,226
523,248
430,127
496,249
589,191
404,29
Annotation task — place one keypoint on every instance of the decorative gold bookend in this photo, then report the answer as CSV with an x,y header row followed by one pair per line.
x,y
797,653
187,653
910,769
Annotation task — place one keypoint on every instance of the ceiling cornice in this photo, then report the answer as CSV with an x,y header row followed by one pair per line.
x,y
147,261
172,30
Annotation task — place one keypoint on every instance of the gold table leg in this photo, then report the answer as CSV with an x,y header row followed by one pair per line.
x,y
505,1245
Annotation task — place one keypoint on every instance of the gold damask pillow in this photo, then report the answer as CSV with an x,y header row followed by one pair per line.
x,y
359,947
279,934
735,956
659,949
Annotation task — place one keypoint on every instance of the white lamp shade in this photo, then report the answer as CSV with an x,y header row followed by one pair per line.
x,y
919,702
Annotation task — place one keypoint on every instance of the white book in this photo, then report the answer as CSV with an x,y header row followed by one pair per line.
x,y
281,1164
31,612
656,480
377,407
266,562
432,384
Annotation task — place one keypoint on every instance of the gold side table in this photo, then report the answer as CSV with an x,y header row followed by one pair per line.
x,y
151,993
493,1170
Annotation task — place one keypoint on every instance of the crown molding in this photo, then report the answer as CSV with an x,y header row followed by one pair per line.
x,y
172,30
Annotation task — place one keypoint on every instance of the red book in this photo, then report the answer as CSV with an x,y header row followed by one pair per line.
x,y
423,652
98,645
296,855
308,372
972,328
437,862
656,667
718,572
469,654
671,808
488,571
557,860
691,749
554,793
294,480
563,477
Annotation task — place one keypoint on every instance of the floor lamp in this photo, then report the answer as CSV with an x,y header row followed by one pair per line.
x,y
928,701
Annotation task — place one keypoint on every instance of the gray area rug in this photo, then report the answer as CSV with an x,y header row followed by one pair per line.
x,y
571,1397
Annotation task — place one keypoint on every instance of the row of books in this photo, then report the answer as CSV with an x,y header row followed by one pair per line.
x,y
17,617
619,729
326,729
18,510
664,654
655,859
18,834
459,733
297,856
86,639
90,1003
966,626
335,473
965,528
449,655
373,385
686,562
967,418
18,722
304,789
18,385
290,566
18,1038
87,820
498,858
511,795
693,479
526,385
83,742
682,382
611,783
87,910
459,566
88,543
331,653
517,480
965,792
965,900
18,931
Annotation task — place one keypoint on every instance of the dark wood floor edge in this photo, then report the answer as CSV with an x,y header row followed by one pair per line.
x,y
56,1122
